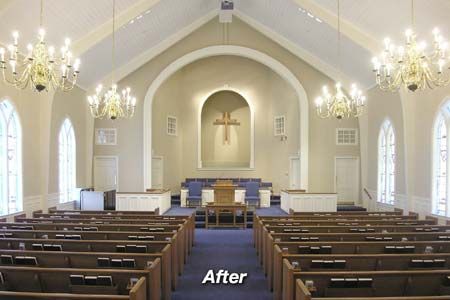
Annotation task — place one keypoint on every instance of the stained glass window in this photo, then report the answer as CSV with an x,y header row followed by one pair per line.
x,y
440,177
67,162
386,164
10,160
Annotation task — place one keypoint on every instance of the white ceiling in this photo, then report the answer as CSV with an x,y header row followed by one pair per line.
x,y
364,24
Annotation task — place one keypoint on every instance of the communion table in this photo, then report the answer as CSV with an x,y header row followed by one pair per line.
x,y
226,209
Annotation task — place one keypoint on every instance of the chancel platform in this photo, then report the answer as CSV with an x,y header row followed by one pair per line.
x,y
206,190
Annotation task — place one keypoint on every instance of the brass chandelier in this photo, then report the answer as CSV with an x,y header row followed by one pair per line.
x,y
41,67
411,65
340,105
111,104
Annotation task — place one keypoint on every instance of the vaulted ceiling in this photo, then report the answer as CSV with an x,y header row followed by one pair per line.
x,y
305,27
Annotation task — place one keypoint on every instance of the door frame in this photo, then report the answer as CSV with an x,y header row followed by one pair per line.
x,y
358,171
162,168
291,158
116,158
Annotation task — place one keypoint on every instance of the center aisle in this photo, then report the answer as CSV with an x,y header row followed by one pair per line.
x,y
230,250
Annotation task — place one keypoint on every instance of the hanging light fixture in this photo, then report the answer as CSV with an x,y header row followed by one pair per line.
x,y
111,104
340,105
41,67
411,65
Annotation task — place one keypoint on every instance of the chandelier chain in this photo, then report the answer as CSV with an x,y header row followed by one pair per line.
x,y
339,36
111,104
113,58
340,104
41,16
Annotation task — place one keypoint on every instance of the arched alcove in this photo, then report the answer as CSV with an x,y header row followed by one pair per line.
x,y
255,55
225,131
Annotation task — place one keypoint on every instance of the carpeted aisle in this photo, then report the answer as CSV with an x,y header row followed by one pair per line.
x,y
230,250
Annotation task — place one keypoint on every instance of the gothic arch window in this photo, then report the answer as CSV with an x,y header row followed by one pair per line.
x,y
440,190
67,162
10,160
386,163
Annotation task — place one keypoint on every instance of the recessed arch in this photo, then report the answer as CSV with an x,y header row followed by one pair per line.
x,y
252,123
252,54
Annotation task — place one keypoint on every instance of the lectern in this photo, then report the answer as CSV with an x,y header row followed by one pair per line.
x,y
224,192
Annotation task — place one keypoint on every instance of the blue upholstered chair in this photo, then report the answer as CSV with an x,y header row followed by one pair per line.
x,y
252,193
194,193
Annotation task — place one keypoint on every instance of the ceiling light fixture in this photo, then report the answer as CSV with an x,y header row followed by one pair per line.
x,y
41,67
339,105
112,104
411,65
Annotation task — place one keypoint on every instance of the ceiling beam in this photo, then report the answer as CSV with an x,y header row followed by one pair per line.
x,y
104,30
353,32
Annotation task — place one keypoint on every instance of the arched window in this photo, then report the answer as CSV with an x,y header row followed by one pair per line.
x,y
67,162
386,164
440,163
10,160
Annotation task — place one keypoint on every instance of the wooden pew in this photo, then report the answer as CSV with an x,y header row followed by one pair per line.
x,y
269,229
352,262
302,293
101,212
185,232
86,260
57,280
344,237
138,292
330,223
162,248
153,215
349,248
178,244
382,284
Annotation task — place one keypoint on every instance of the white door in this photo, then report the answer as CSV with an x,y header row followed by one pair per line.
x,y
294,173
347,179
105,173
157,172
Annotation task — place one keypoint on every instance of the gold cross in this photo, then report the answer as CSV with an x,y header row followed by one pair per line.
x,y
226,121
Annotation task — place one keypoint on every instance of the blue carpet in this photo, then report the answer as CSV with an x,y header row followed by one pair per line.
x,y
176,210
273,210
230,250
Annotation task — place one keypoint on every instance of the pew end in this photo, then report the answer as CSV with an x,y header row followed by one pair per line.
x,y
411,213
432,218
301,291
37,212
21,216
400,211
138,292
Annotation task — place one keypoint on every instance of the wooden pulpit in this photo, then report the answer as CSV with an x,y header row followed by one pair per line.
x,y
224,192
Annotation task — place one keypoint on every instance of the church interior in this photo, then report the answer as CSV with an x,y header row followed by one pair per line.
x,y
224,149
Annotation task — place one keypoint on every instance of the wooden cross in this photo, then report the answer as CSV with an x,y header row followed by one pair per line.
x,y
226,121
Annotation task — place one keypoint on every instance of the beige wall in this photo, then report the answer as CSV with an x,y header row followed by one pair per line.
x,y
39,114
322,146
168,102
72,106
215,151
412,115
